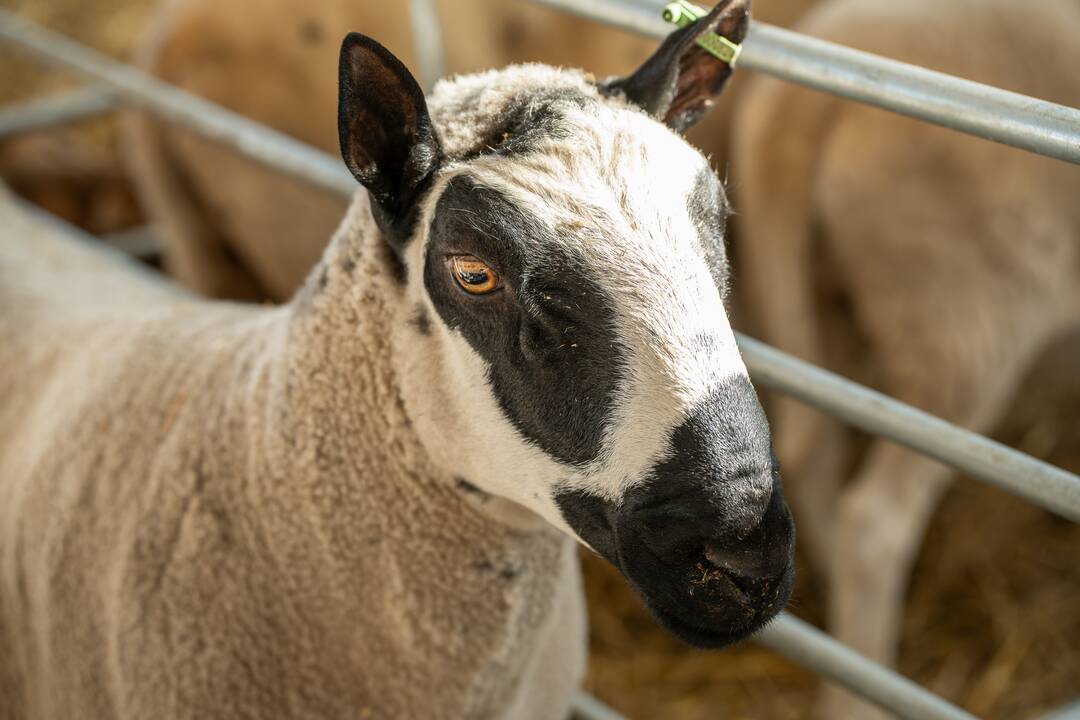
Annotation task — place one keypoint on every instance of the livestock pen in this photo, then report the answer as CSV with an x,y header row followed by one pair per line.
x,y
1004,117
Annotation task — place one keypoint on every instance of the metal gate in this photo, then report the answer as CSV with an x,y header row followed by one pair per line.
x,y
988,112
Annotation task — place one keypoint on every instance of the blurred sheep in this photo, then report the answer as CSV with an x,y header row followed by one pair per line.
x,y
932,265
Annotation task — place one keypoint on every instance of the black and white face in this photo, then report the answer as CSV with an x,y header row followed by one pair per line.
x,y
564,343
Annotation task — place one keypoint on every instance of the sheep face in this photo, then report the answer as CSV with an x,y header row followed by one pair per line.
x,y
563,341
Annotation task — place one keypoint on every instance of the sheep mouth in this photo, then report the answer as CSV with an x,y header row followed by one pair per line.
x,y
706,591
704,605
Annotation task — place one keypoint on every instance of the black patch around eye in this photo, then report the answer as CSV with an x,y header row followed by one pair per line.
x,y
553,360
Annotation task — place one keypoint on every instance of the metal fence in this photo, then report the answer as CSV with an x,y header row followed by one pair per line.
x,y
1005,117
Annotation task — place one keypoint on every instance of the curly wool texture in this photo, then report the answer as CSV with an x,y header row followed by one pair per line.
x,y
216,510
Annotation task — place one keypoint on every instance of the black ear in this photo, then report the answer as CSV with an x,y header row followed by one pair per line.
x,y
387,139
681,80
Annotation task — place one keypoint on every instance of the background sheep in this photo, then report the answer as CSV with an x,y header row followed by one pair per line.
x,y
308,512
933,265
258,233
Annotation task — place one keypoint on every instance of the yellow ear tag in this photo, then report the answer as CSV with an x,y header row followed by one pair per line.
x,y
681,13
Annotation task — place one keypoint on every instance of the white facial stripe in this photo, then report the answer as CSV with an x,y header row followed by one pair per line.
x,y
671,316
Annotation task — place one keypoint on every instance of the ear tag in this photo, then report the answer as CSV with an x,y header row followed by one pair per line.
x,y
681,13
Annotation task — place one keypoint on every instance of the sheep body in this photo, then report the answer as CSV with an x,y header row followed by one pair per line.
x,y
261,535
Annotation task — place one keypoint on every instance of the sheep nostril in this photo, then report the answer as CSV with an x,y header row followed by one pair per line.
x,y
743,562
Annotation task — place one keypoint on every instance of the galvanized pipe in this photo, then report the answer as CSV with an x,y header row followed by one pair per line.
x,y
806,645
1069,711
58,109
587,707
214,122
1035,481
1005,117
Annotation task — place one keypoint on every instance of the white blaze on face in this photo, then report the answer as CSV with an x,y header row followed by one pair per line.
x,y
671,314
636,179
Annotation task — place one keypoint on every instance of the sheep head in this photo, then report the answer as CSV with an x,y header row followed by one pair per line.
x,y
563,343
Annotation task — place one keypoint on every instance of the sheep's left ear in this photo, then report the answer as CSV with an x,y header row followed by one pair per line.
x,y
680,81
387,138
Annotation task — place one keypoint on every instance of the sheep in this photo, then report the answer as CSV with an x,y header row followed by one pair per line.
x,y
364,502
930,264
233,243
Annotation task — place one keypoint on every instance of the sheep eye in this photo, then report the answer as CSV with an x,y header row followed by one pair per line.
x,y
473,275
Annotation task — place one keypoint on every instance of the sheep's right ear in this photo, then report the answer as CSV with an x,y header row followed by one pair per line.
x,y
387,139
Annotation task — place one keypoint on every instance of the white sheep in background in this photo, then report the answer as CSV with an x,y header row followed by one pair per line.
x,y
930,264
362,503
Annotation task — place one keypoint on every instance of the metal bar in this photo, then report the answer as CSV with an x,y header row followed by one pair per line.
x,y
216,123
988,112
806,645
1005,117
1035,481
587,707
58,109
1069,711
427,41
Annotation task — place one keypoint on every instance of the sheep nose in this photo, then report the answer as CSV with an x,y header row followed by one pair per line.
x,y
761,554
718,500
743,561
691,526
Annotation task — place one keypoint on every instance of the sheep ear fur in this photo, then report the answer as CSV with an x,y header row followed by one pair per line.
x,y
680,81
387,137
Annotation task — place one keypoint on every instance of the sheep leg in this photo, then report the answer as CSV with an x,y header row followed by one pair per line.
x,y
879,525
880,518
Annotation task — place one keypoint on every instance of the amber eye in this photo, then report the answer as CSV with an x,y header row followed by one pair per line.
x,y
473,275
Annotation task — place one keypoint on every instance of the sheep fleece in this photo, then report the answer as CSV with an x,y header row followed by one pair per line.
x,y
218,510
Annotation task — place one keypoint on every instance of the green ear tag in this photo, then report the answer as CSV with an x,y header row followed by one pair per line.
x,y
681,13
